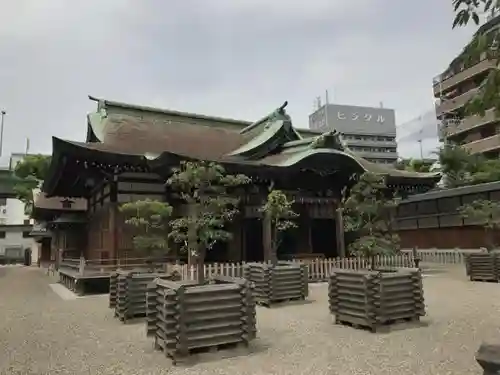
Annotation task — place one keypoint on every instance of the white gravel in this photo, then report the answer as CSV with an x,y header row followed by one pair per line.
x,y
40,333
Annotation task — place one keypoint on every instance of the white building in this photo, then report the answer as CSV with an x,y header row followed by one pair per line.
x,y
15,225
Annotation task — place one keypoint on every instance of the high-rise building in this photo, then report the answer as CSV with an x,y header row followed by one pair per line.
x,y
454,88
368,131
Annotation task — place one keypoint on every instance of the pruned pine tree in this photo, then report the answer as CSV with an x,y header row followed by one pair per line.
x,y
278,211
368,210
206,190
149,218
461,168
31,172
487,214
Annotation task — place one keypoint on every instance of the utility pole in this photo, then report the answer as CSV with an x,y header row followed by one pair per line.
x,y
420,144
2,113
326,111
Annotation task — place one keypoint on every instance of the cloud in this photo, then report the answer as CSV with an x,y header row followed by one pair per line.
x,y
230,58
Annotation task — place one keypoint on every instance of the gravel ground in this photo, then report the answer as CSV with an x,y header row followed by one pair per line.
x,y
42,334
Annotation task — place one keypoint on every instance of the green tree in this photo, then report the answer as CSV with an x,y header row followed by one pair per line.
x,y
278,210
485,213
414,165
462,168
31,172
149,218
368,209
206,190
488,95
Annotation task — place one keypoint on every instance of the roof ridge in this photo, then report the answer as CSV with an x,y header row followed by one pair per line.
x,y
169,111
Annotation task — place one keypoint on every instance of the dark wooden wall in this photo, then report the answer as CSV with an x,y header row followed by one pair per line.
x,y
432,220
109,237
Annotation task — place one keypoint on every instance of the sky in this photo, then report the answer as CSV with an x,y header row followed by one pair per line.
x,y
231,58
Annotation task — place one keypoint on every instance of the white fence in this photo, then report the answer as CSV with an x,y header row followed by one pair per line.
x,y
442,256
319,269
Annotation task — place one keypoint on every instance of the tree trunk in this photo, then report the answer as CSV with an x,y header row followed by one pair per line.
x,y
200,268
192,236
274,245
490,239
267,240
372,262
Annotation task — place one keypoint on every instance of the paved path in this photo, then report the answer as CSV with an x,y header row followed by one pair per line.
x,y
42,333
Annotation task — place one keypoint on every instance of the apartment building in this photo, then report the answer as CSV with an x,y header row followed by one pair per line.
x,y
453,89
368,131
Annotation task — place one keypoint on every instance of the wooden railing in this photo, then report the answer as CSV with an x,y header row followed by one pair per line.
x,y
90,267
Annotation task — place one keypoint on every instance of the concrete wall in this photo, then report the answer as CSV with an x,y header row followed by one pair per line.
x,y
15,240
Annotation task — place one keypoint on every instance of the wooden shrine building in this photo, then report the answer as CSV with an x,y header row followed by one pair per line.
x,y
60,227
130,150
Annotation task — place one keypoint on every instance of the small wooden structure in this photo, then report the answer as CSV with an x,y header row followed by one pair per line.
x,y
375,299
483,266
128,292
285,281
185,318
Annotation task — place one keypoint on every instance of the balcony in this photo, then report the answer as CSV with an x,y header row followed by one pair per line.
x,y
370,143
450,105
484,145
447,127
377,155
454,127
444,83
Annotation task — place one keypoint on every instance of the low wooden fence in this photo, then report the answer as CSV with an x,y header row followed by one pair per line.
x,y
442,256
84,267
319,269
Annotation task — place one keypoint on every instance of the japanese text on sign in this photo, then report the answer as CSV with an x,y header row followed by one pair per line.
x,y
357,116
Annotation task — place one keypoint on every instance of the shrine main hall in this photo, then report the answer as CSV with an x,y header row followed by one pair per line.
x,y
128,155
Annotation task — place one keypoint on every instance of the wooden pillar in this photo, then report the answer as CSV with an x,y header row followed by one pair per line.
x,y
309,235
339,227
113,218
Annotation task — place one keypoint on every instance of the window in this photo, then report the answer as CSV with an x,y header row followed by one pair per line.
x,y
3,201
26,234
2,234
26,221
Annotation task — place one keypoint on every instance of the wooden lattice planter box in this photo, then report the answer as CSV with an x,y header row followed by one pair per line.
x,y
488,357
376,299
112,289
483,266
185,318
285,281
128,293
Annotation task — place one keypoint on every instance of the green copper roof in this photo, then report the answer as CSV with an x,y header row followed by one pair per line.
x,y
335,154
267,134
